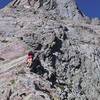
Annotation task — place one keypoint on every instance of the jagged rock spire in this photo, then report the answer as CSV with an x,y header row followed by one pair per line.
x,y
64,8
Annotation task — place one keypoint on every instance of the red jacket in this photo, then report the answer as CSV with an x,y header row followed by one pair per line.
x,y
30,57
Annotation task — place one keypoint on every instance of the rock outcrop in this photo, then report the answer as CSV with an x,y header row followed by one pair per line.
x,y
63,8
65,43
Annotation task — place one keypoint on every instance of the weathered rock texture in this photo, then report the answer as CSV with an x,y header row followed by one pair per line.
x,y
66,45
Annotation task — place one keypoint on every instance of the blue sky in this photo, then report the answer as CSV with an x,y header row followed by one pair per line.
x,y
4,2
91,8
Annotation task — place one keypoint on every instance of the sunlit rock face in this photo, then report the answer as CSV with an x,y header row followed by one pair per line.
x,y
63,8
66,47
68,8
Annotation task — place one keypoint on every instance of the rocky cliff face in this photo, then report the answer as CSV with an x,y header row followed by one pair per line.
x,y
63,8
65,43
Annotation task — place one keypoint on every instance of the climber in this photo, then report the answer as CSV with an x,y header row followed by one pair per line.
x,y
30,58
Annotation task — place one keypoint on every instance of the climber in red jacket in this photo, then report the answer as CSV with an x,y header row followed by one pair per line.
x,y
30,58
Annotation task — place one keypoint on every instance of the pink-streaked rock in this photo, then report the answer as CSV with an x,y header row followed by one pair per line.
x,y
13,50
